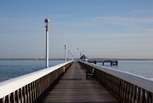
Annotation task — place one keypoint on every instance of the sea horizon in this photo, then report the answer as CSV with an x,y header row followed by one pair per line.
x,y
100,58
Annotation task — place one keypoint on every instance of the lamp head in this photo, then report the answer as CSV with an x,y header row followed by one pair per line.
x,y
46,24
46,20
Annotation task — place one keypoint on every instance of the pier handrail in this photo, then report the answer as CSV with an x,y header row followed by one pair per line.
x,y
127,87
12,85
135,79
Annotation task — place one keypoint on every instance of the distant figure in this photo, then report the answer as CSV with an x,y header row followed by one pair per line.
x,y
83,58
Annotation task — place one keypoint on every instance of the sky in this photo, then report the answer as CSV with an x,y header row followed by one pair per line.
x,y
97,28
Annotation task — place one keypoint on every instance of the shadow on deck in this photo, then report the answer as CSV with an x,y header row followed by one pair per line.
x,y
73,87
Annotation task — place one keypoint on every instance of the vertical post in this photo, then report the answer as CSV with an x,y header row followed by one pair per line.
x,y
80,54
65,53
47,44
68,54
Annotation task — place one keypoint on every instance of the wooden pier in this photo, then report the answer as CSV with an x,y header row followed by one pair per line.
x,y
74,87
111,62
77,82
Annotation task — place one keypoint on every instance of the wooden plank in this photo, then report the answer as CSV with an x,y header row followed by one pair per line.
x,y
73,87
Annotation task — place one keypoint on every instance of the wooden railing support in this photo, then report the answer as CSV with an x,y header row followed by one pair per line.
x,y
34,86
126,87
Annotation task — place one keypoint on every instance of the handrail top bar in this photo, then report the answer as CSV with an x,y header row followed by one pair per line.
x,y
137,80
11,85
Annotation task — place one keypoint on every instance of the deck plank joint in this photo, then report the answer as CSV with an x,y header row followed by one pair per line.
x,y
74,87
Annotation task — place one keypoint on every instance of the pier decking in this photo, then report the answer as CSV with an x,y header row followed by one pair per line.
x,y
82,82
73,87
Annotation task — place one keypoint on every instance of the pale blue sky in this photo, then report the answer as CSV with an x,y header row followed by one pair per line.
x,y
99,28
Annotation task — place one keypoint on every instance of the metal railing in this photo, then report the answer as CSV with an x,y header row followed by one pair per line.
x,y
28,88
126,87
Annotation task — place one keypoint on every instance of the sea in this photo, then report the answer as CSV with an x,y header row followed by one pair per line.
x,y
14,68
139,67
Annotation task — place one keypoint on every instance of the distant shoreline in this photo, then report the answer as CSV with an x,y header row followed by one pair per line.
x,y
123,59
29,59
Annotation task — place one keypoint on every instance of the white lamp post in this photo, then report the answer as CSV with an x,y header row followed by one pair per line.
x,y
47,43
65,54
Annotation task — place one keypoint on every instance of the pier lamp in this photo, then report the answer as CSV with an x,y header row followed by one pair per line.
x,y
47,43
65,55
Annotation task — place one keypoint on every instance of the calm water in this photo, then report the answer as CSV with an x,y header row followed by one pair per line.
x,y
143,68
14,68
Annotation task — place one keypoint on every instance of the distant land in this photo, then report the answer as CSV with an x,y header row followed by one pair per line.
x,y
30,59
134,59
77,58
